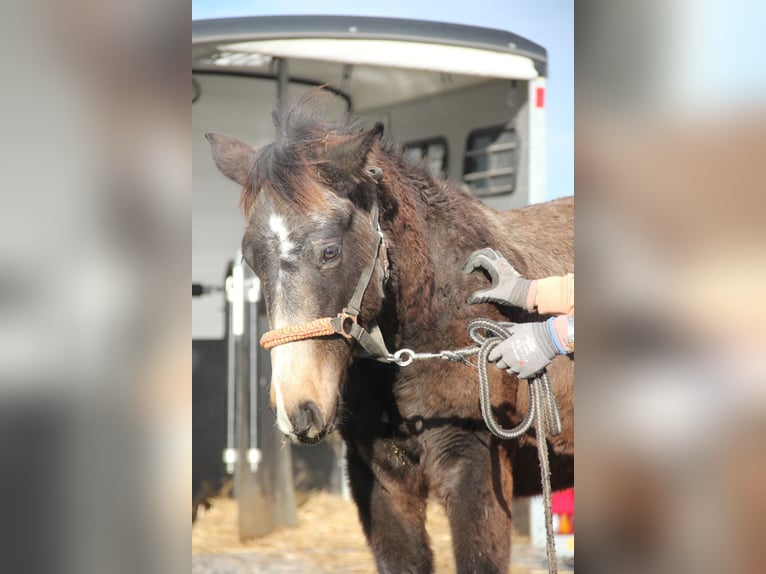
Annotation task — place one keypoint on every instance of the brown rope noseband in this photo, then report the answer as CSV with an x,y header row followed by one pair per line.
x,y
346,323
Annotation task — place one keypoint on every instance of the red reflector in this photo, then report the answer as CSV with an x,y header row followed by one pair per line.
x,y
540,98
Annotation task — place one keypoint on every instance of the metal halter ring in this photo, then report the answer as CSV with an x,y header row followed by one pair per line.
x,y
375,172
404,357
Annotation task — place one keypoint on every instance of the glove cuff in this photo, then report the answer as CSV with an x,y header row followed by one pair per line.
x,y
519,291
543,337
554,337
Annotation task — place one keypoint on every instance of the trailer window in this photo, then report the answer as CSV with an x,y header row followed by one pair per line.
x,y
433,151
491,160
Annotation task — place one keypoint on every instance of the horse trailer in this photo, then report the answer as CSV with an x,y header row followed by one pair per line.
x,y
468,101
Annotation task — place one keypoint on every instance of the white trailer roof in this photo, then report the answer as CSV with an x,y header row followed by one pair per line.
x,y
405,55
379,61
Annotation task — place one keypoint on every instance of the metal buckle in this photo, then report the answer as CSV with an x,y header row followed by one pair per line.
x,y
346,323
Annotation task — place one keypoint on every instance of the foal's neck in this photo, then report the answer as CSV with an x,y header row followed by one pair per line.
x,y
432,229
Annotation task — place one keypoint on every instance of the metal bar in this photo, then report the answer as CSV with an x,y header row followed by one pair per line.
x,y
293,80
492,148
230,453
283,81
237,301
489,173
253,296
242,475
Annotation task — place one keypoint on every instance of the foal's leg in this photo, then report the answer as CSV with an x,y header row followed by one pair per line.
x,y
477,494
393,520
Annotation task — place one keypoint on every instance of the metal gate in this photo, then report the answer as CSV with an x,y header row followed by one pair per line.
x,y
263,478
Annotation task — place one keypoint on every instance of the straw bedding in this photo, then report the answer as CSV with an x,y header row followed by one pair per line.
x,y
328,536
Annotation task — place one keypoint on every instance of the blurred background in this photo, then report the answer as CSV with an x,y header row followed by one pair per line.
x,y
671,394
549,23
95,365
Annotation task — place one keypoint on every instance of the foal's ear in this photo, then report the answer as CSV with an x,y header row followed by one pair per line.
x,y
354,150
234,158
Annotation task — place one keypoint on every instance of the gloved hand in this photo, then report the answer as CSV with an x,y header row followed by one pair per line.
x,y
508,287
527,351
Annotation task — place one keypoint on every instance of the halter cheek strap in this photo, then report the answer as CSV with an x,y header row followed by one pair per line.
x,y
346,322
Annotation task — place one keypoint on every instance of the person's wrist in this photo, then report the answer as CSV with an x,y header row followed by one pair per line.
x,y
531,296
560,332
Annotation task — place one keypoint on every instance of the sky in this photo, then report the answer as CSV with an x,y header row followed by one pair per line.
x,y
549,23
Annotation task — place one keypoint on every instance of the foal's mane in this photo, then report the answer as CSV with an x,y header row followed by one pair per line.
x,y
297,161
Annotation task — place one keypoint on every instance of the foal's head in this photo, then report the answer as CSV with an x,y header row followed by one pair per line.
x,y
307,200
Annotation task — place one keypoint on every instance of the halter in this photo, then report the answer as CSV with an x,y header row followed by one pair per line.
x,y
346,323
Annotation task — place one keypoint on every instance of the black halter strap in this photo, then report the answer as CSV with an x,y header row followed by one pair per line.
x,y
346,322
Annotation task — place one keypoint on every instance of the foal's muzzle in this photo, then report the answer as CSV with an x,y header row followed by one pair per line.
x,y
308,423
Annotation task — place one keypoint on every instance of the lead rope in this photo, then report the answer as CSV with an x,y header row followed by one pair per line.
x,y
543,408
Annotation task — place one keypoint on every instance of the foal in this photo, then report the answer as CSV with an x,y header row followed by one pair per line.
x,y
310,199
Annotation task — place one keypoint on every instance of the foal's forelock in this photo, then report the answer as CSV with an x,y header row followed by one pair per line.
x,y
290,172
302,192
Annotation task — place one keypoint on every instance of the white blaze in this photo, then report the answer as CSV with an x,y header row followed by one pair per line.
x,y
279,228
293,364
277,225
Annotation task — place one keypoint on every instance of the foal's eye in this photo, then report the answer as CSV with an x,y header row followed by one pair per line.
x,y
330,253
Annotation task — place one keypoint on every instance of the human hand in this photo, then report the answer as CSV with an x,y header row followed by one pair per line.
x,y
527,350
508,286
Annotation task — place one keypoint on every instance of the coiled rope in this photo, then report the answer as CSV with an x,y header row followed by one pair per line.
x,y
543,408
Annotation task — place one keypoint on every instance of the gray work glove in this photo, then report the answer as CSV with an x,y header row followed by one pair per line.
x,y
527,351
508,287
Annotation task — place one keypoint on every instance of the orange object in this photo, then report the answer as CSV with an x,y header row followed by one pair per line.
x,y
316,328
562,505
565,524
